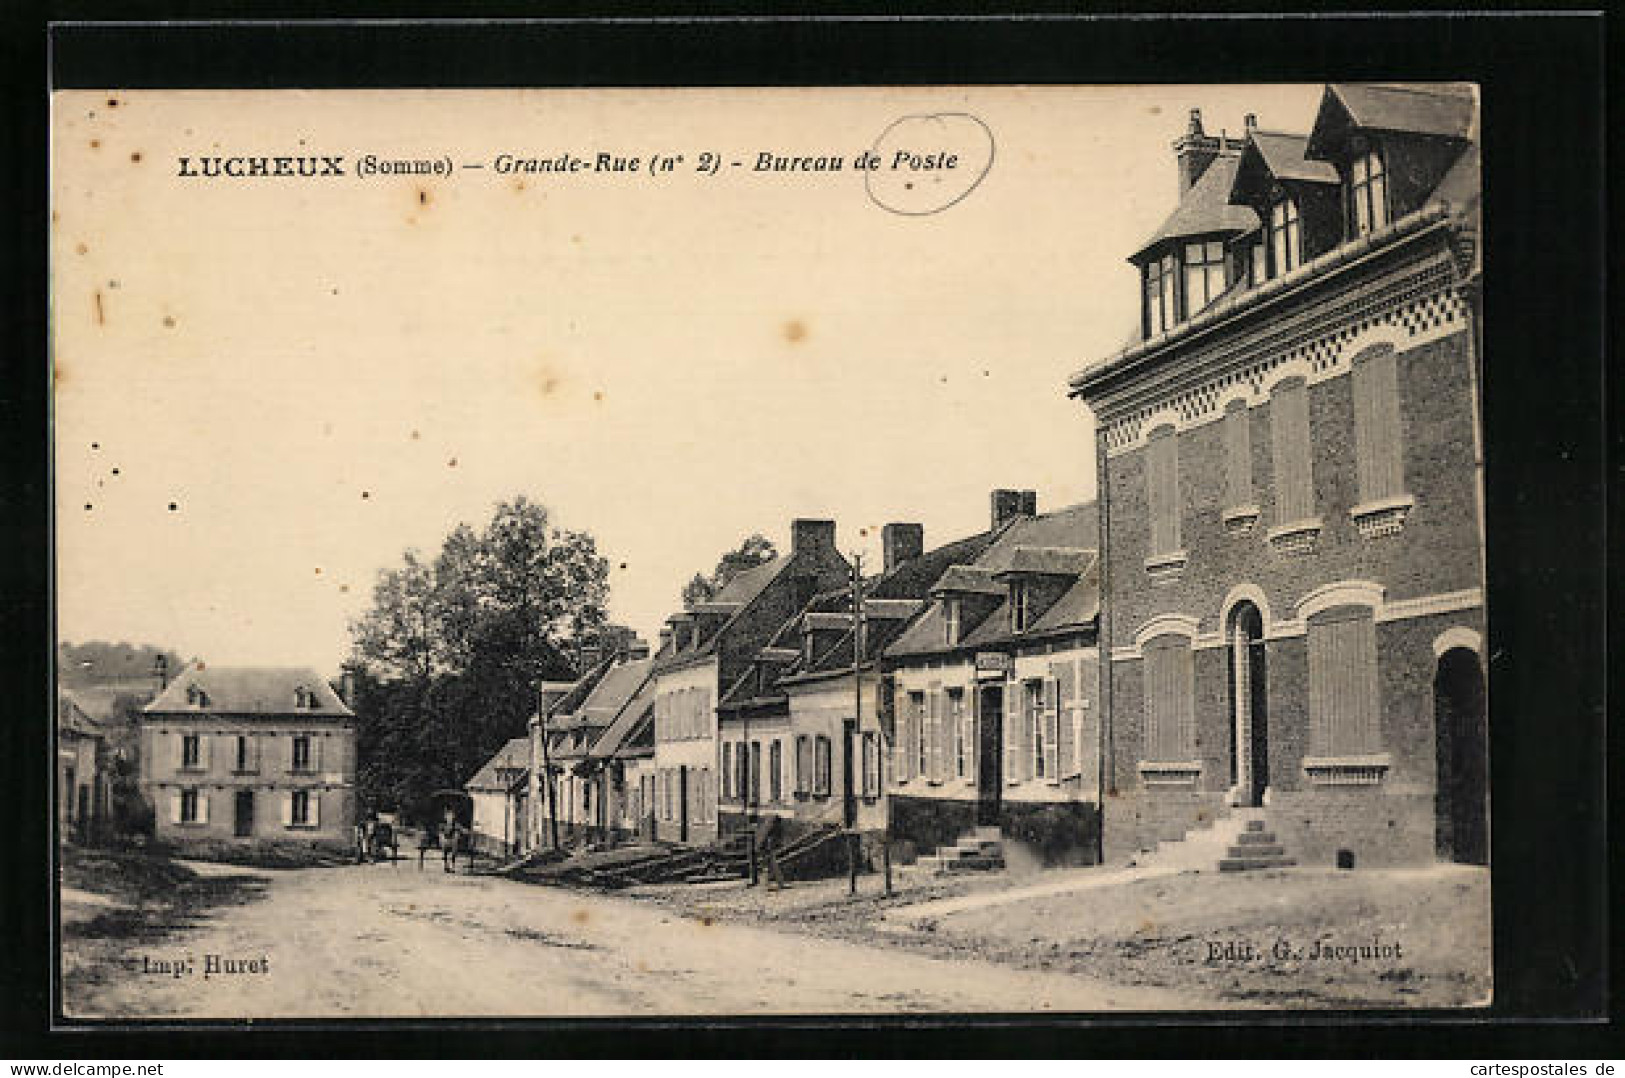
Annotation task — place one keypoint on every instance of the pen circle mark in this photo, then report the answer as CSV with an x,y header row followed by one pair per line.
x,y
913,197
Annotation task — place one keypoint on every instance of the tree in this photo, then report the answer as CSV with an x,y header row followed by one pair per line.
x,y
754,551
447,659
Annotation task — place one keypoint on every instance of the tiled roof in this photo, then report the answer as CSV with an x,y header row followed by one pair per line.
x,y
250,690
513,755
637,710
1204,209
747,585
618,685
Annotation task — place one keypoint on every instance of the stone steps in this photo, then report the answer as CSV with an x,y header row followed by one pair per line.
x,y
982,850
1255,848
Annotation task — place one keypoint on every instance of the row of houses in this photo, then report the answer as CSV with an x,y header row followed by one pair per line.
x,y
1274,605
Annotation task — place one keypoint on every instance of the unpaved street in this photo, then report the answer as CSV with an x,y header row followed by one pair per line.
x,y
383,941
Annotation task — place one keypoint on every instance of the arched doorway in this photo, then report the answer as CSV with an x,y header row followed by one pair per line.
x,y
1461,732
1249,713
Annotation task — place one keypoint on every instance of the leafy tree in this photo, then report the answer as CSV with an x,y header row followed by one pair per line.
x,y
447,659
754,551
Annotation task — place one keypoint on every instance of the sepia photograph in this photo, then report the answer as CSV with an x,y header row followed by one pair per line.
x,y
686,552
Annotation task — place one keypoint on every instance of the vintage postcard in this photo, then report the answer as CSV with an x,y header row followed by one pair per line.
x,y
686,552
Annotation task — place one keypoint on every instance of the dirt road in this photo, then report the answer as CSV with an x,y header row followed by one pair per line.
x,y
391,941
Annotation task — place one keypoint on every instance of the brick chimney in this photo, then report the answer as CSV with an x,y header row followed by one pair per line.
x,y
1197,149
807,536
591,654
901,543
1006,506
1029,503
637,649
549,693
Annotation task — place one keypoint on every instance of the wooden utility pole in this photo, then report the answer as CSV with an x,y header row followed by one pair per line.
x,y
854,741
545,713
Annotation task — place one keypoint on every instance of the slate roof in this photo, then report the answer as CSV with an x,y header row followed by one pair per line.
x,y
1283,155
1074,528
618,685
249,690
1440,109
514,754
1204,209
732,600
968,578
73,719
1048,561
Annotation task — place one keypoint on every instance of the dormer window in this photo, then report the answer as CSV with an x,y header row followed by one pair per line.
x,y
1258,270
1204,274
1285,237
1020,606
196,697
1368,193
1161,311
303,699
952,614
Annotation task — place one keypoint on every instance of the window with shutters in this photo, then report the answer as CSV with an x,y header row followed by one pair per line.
x,y
301,808
1285,237
189,807
1170,712
1241,510
956,724
244,754
868,765
803,765
727,769
1379,444
1297,528
1167,557
775,771
192,752
920,745
1368,193
301,753
1204,275
1345,704
755,787
821,766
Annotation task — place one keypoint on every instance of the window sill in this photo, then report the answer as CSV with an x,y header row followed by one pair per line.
x,y
1297,538
1384,517
239,771
1240,519
191,770
303,827
1347,770
1170,773
1166,566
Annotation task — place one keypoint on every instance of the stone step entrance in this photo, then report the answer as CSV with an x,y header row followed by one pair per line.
x,y
1255,847
981,850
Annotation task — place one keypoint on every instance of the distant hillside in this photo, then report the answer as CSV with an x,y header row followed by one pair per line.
x,y
97,664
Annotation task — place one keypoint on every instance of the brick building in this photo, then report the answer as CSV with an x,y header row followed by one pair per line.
x,y
242,753
704,651
992,691
1289,467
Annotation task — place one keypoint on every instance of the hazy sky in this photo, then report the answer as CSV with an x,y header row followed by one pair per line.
x,y
267,389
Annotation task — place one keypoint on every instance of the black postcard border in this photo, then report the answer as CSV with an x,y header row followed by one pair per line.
x,y
1543,97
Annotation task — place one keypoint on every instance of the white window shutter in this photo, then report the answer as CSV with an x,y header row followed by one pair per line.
x,y
177,749
174,806
316,743
315,802
203,806
1012,742
204,741
1052,729
287,809
973,758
